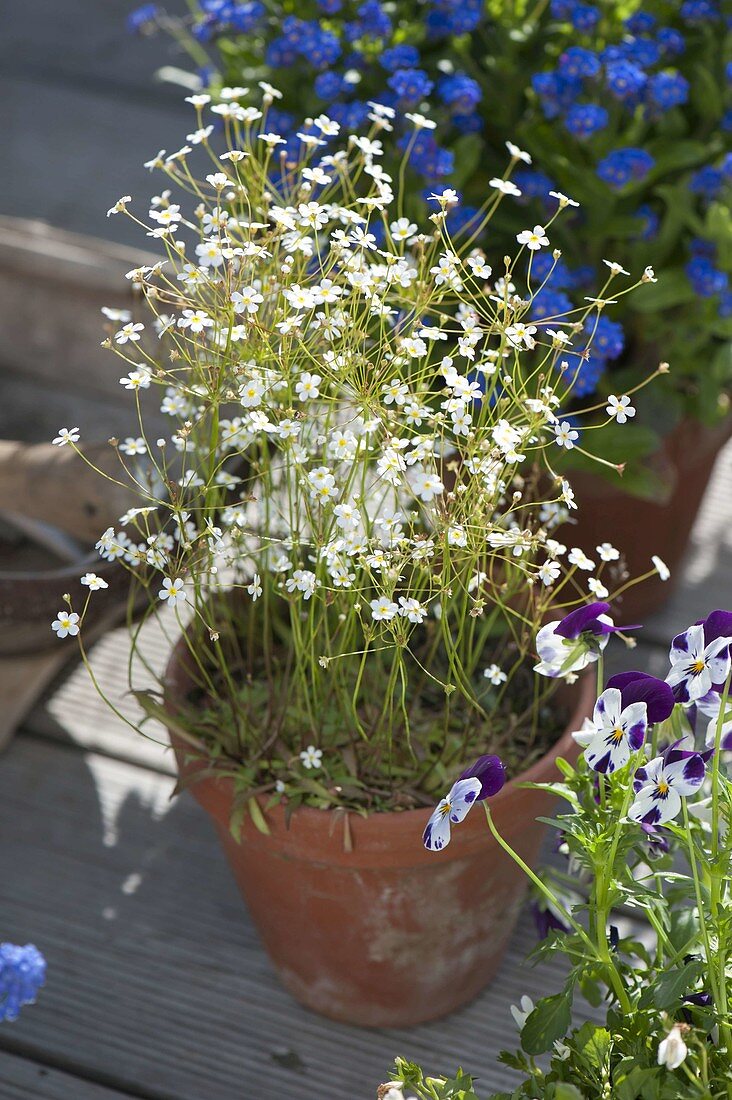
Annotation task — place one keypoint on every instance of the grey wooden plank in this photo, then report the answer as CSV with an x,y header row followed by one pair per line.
x,y
156,978
23,1079
68,156
87,43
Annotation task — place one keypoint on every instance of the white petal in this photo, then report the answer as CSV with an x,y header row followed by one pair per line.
x,y
437,833
461,797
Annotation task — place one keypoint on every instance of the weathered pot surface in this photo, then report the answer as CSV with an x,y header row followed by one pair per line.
x,y
381,932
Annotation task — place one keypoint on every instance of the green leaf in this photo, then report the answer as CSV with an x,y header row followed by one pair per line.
x,y
564,1090
667,989
549,1022
672,289
596,1050
257,816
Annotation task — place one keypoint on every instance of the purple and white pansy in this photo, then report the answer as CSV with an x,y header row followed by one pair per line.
x,y
568,645
622,714
615,733
478,782
709,705
661,784
700,657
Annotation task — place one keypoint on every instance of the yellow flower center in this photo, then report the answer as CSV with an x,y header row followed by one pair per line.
x,y
662,788
697,667
617,735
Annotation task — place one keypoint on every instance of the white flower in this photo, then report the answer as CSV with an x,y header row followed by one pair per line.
x,y
565,435
427,486
246,300
504,186
66,435
518,154
620,408
255,588
616,268
411,609
93,582
195,319
661,568
562,199
597,588
383,609
403,229
311,757
136,379
522,1011
66,624
672,1050
419,121
549,572
307,388
119,206
302,580
495,674
133,446
607,552
578,557
130,332
534,239
173,591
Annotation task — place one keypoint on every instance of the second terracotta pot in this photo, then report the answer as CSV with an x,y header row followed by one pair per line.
x,y
641,528
362,923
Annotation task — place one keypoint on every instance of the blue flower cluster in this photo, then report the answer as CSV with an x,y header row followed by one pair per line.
x,y
22,973
227,17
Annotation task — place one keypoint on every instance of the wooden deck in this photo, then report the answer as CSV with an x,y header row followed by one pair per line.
x,y
157,985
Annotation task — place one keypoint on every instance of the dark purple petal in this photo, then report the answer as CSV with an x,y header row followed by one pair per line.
x,y
703,1000
673,754
717,625
657,841
545,920
639,779
491,773
638,687
613,937
681,641
582,619
637,735
604,764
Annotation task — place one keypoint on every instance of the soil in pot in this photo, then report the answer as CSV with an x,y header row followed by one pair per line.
x,y
361,923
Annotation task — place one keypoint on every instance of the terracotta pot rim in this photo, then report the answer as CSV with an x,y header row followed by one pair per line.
x,y
376,827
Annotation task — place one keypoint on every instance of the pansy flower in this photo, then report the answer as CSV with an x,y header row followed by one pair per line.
x,y
570,644
663,782
614,733
700,657
483,779
709,705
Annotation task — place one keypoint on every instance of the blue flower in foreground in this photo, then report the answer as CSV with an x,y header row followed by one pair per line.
x,y
483,779
699,11
400,57
707,181
22,973
640,22
570,644
660,785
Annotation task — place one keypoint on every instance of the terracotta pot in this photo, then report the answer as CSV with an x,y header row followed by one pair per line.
x,y
641,528
385,934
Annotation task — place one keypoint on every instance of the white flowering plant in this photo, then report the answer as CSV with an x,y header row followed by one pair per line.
x,y
642,909
350,521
